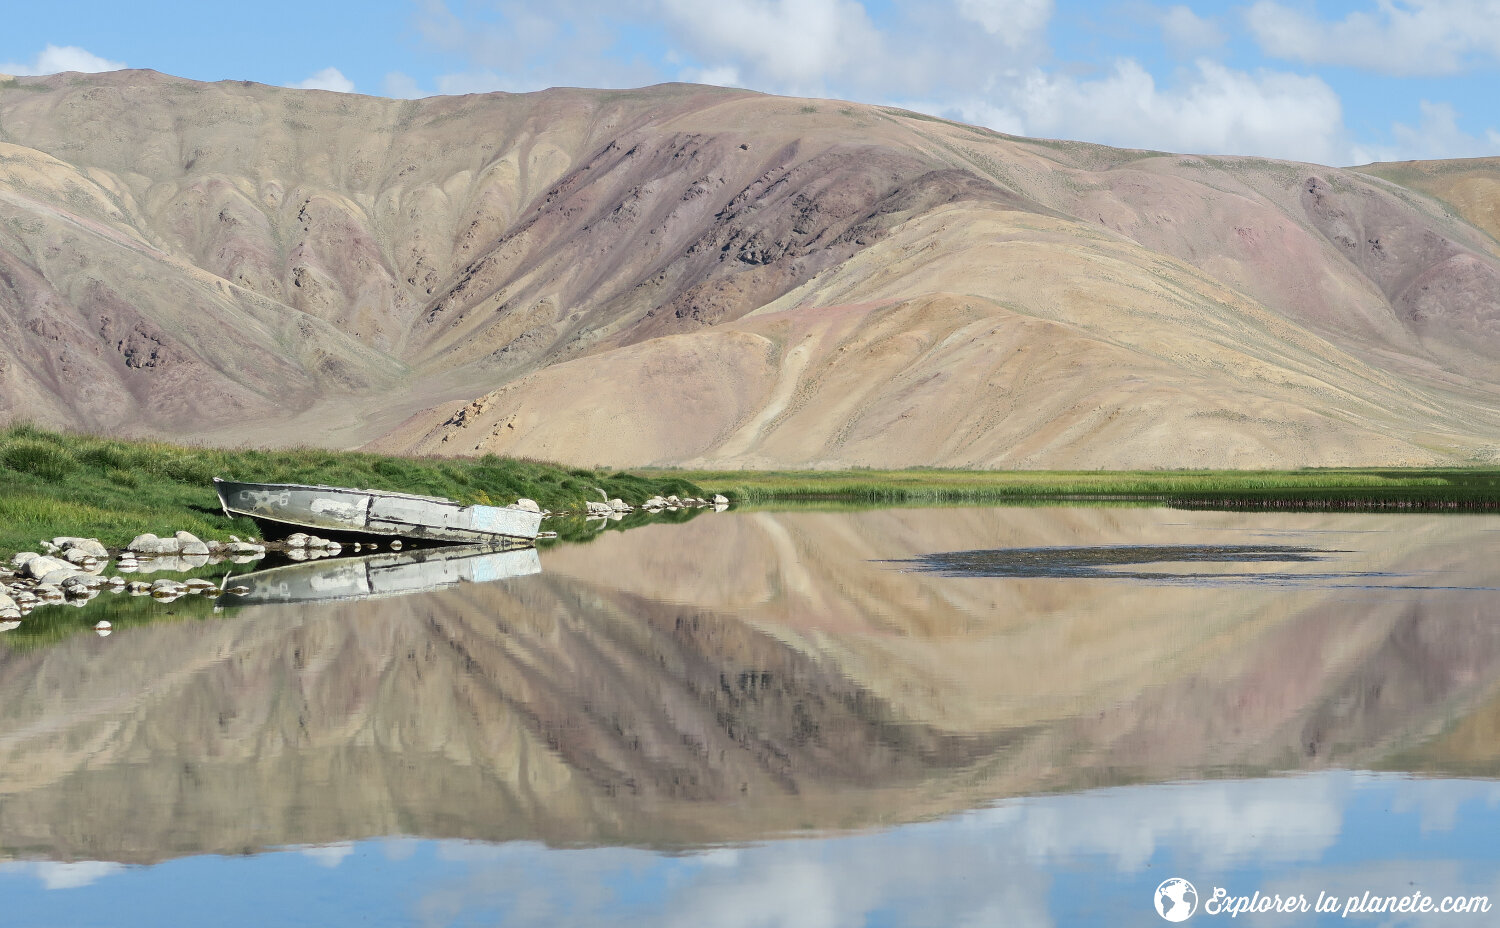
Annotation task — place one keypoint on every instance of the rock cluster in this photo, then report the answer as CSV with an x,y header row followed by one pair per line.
x,y
301,546
72,571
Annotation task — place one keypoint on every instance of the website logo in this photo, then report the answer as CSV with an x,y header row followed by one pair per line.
x,y
1176,900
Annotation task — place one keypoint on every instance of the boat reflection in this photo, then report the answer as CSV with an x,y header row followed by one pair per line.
x,y
374,576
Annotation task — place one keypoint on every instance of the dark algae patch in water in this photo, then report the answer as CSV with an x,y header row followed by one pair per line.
x,y
1105,561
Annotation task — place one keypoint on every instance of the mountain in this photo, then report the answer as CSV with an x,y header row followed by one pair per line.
x,y
687,274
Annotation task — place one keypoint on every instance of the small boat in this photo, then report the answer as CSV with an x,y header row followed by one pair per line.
x,y
377,576
283,508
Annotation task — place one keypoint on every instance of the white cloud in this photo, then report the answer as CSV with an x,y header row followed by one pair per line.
x,y
1405,38
1436,135
1015,22
572,43
57,58
990,866
1214,110
329,855
402,86
328,79
793,43
721,76
484,81
1186,31
63,875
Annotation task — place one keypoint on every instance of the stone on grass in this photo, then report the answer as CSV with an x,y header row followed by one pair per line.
x,y
89,546
190,544
530,505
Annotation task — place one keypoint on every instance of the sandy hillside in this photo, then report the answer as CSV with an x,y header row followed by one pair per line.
x,y
686,274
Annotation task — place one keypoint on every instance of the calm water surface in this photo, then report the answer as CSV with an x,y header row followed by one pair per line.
x,y
892,717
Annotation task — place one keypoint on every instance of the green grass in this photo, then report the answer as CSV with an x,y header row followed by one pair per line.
x,y
111,489
1445,488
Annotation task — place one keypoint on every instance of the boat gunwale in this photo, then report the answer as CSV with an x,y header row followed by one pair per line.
x,y
362,492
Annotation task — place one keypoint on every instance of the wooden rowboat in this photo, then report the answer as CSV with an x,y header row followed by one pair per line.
x,y
283,508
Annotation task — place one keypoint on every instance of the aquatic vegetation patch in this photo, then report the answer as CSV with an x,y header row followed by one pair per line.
x,y
1113,561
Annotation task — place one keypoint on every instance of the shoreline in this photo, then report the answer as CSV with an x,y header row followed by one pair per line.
x,y
1446,489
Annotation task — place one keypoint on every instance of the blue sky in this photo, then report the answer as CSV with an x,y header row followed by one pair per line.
x,y
1334,82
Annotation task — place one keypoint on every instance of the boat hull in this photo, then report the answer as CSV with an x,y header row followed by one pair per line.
x,y
283,508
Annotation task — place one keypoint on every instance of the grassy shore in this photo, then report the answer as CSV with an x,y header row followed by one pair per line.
x,y
55,484
1368,488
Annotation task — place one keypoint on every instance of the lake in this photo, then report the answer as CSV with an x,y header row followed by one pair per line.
x,y
906,716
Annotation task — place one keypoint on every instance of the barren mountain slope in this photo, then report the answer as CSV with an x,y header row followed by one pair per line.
x,y
696,274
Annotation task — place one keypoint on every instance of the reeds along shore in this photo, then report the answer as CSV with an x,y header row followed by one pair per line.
x,y
114,489
1429,489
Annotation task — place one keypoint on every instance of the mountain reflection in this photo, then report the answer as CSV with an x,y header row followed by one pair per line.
x,y
754,674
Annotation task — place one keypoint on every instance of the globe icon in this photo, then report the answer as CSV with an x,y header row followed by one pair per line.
x,y
1176,900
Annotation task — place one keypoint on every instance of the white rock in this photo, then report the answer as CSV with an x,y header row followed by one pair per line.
x,y
296,540
61,575
530,505
190,544
20,558
39,567
9,609
720,499
89,546
145,544
10,624
619,505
